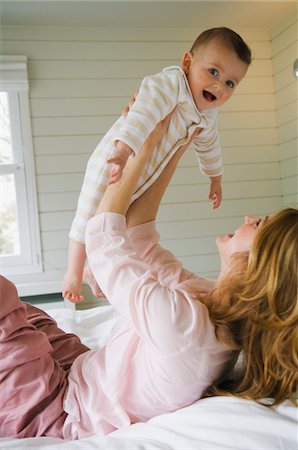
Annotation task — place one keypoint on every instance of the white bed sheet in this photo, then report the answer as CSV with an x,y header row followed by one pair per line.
x,y
216,423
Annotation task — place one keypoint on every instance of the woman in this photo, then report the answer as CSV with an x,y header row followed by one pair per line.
x,y
165,351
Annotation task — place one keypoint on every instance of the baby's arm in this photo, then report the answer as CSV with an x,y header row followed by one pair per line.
x,y
208,150
215,193
118,161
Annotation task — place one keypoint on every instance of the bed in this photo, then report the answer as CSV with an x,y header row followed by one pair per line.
x,y
211,423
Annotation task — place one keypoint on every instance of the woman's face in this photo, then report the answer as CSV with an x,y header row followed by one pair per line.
x,y
242,238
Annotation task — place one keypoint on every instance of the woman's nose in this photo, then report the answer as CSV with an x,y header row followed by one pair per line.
x,y
250,219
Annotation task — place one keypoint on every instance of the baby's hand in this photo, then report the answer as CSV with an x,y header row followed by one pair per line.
x,y
118,160
215,193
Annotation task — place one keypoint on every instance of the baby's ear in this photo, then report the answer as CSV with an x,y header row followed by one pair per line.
x,y
186,62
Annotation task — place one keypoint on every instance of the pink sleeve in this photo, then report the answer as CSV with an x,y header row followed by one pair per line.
x,y
145,240
164,317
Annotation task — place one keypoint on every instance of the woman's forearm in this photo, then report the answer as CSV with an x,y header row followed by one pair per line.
x,y
117,196
145,208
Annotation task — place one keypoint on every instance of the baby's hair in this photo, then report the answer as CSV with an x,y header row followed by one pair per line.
x,y
228,37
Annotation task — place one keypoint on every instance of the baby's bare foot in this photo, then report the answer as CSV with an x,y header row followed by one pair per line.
x,y
91,281
71,288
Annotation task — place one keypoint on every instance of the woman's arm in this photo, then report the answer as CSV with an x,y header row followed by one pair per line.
x,y
117,196
144,209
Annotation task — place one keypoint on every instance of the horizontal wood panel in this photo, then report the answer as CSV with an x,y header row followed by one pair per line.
x,y
236,155
55,182
287,113
289,168
287,94
193,211
184,34
245,154
119,50
51,278
123,87
48,126
59,183
250,102
183,239
191,246
98,69
282,26
200,263
101,106
72,145
169,213
291,200
66,201
244,189
54,220
287,36
212,226
58,240
61,164
287,132
229,138
57,145
237,138
289,184
55,240
285,77
289,149
281,60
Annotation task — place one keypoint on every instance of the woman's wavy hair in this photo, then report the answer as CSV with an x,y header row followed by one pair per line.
x,y
259,307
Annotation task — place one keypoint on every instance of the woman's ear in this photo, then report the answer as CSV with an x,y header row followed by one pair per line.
x,y
186,62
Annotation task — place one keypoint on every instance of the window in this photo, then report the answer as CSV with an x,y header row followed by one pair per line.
x,y
19,230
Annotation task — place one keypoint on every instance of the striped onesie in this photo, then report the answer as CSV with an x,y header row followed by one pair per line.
x,y
159,94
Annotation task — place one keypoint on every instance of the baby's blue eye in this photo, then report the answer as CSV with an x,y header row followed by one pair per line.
x,y
213,72
230,84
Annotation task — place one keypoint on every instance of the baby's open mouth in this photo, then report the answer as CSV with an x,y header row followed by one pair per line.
x,y
209,96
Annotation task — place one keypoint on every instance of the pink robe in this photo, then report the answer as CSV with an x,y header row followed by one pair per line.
x,y
161,355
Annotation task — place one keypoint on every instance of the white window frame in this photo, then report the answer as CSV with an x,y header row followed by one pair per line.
x,y
14,81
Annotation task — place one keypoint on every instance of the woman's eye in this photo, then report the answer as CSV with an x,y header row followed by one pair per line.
x,y
230,84
213,72
258,222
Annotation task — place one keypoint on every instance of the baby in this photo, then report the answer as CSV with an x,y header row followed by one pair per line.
x,y
216,63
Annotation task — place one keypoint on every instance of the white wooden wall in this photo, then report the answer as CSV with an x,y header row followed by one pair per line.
x,y
284,53
79,81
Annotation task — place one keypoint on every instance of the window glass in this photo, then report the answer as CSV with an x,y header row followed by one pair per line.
x,y
9,230
20,250
6,153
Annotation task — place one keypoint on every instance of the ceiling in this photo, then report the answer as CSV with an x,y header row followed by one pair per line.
x,y
147,13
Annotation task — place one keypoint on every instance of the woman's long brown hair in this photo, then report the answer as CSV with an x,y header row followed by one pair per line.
x,y
259,307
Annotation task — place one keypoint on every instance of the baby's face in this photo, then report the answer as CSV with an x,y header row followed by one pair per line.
x,y
213,73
